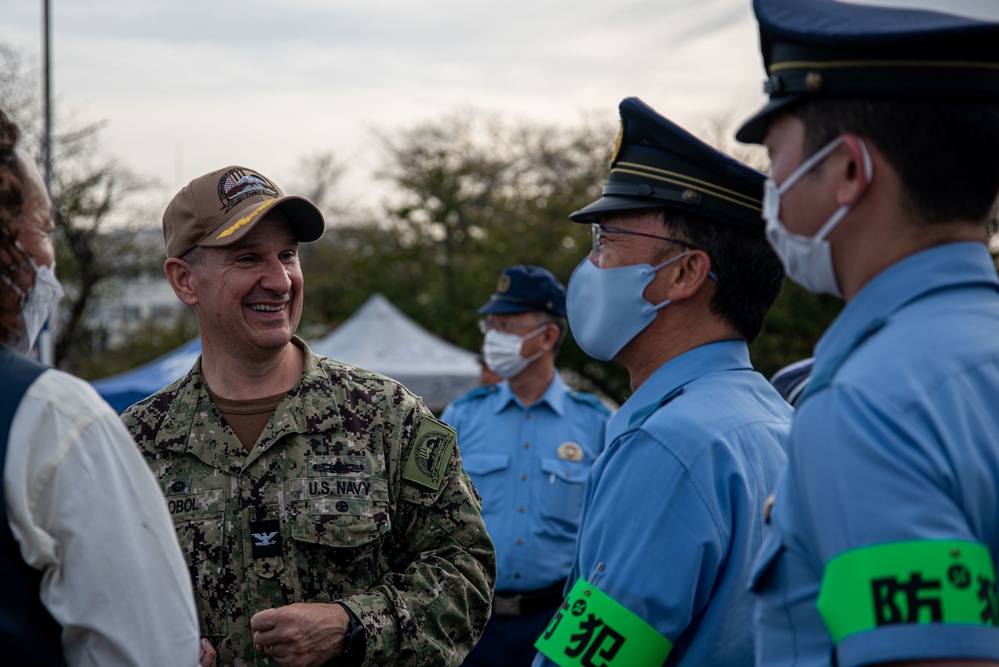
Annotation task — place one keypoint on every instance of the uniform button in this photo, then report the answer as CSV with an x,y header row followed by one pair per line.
x,y
521,510
520,543
523,477
527,445
527,415
516,575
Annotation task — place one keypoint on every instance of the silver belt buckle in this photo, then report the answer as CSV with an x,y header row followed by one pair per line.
x,y
506,606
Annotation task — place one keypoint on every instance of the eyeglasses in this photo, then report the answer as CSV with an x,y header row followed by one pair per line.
x,y
507,327
597,232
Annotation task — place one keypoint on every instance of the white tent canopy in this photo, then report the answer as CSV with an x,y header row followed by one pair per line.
x,y
381,338
377,337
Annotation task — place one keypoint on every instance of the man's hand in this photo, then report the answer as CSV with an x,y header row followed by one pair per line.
x,y
303,634
208,654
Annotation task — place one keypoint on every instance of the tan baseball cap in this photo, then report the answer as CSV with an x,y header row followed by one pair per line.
x,y
220,208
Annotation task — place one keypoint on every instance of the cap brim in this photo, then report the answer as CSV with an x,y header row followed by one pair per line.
x,y
306,220
606,205
754,130
500,307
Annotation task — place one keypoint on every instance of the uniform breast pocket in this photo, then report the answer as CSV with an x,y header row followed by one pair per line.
x,y
199,521
560,495
337,544
489,474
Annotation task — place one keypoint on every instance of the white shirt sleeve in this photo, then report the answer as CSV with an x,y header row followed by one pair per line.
x,y
88,513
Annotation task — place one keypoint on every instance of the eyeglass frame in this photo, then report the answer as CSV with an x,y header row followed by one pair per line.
x,y
597,230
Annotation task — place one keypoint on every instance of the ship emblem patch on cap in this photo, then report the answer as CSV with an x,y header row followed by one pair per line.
x,y
570,451
238,184
503,285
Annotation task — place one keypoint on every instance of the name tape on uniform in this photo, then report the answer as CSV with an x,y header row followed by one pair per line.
x,y
913,582
591,629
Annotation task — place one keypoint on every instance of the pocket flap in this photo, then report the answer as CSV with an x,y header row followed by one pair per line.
x,y
483,464
574,472
338,530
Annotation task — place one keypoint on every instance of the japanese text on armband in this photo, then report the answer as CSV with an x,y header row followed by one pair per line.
x,y
949,582
591,629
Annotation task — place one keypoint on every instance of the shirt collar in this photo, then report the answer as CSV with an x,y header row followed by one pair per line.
x,y
937,268
715,357
554,396
298,411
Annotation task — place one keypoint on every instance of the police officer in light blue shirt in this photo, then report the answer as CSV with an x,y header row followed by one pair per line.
x,y
527,443
679,279
883,133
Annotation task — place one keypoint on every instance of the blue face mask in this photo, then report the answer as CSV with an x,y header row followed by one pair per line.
x,y
606,307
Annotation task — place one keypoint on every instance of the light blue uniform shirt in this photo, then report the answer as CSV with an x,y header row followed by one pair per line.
x,y
529,464
896,439
672,520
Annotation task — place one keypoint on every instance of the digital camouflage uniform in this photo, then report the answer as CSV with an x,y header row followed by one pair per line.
x,y
353,492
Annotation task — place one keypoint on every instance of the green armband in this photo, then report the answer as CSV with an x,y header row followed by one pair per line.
x,y
922,582
591,629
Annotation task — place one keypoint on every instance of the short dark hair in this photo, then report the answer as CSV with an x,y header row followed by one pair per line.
x,y
14,264
945,152
750,273
195,256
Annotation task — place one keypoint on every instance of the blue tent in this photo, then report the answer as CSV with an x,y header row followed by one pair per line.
x,y
126,388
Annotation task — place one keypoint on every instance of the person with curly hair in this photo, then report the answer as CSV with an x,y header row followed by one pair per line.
x,y
91,572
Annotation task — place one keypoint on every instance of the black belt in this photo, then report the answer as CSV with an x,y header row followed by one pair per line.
x,y
520,603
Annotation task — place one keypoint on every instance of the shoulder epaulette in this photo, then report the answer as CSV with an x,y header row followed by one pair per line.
x,y
477,393
588,399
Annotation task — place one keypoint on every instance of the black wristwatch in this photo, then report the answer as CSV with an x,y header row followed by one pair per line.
x,y
355,642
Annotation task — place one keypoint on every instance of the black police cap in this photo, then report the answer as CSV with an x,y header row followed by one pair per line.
x,y
824,48
523,289
658,164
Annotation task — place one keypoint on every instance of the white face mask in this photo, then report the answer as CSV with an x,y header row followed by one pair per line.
x,y
807,259
42,299
502,352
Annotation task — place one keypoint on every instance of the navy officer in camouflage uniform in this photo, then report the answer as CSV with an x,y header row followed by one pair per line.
x,y
324,512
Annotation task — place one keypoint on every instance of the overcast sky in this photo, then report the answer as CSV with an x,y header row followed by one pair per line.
x,y
189,86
